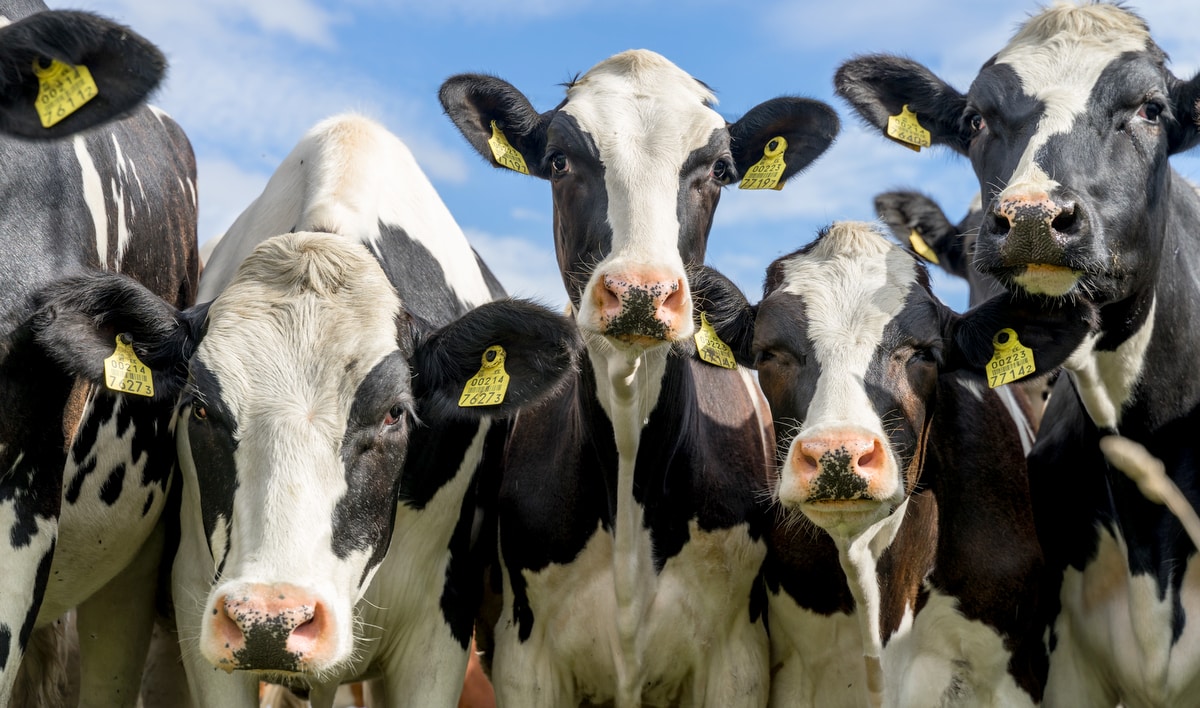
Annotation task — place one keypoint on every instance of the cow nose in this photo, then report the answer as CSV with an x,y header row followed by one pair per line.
x,y
635,307
269,628
838,467
1034,228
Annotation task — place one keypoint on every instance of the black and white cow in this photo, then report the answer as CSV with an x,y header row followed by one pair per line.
x,y
926,560
951,247
1069,128
84,473
326,365
630,523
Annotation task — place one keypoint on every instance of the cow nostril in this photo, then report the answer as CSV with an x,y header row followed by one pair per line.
x,y
999,223
674,299
1065,218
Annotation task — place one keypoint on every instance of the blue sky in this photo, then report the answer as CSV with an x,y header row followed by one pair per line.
x,y
249,77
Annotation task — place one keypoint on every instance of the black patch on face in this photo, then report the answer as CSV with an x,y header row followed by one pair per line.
x,y
837,479
373,456
418,277
699,193
213,441
582,233
266,646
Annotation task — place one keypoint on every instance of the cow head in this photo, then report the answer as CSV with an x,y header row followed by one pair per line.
x,y
124,66
849,342
636,157
301,386
1069,128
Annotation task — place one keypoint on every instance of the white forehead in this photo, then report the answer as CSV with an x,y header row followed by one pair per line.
x,y
304,313
637,103
1060,54
853,281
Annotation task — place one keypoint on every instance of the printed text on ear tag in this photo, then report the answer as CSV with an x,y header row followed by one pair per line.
x,y
923,250
765,173
504,152
124,372
487,386
62,90
1011,360
710,347
906,130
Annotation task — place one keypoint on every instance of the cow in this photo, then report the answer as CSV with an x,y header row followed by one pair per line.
x,y
918,222
336,396
102,184
630,528
1069,128
911,471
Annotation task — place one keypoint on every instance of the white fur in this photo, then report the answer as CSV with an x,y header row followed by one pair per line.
x,y
1105,380
93,197
1114,635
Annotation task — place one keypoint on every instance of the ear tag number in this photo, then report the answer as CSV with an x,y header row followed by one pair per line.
x,y
766,172
923,250
504,152
124,372
487,386
62,90
710,347
1011,360
906,130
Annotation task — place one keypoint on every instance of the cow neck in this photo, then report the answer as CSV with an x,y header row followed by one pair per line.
x,y
859,556
1148,331
628,384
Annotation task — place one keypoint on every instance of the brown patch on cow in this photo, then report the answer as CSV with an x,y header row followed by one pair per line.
x,y
73,411
906,563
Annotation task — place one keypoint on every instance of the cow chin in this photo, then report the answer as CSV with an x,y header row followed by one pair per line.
x,y
1048,280
276,629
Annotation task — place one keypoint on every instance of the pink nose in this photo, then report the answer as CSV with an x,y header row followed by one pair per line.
x,y
839,467
635,307
1035,227
276,627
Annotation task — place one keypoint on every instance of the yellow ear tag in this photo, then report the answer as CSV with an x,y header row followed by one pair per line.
x,y
504,152
765,173
62,90
1011,360
710,347
923,250
124,372
487,386
905,130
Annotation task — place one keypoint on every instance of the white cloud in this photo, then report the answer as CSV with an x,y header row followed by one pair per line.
x,y
525,266
224,193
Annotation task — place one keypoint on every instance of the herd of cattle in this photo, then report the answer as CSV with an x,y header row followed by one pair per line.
x,y
338,452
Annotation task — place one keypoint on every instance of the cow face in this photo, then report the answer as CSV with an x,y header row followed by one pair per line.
x,y
1068,128
302,392
849,342
124,66
636,157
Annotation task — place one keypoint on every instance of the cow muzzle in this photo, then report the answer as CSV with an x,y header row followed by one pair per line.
x,y
838,476
276,628
1031,233
643,309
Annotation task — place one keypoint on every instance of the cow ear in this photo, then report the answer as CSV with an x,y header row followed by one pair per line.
x,y
1052,328
124,66
878,86
1185,129
475,101
808,126
540,349
725,308
80,319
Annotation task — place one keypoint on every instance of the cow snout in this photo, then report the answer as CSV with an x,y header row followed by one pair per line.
x,y
1030,233
836,468
269,628
642,308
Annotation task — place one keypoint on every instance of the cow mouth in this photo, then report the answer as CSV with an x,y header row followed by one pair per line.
x,y
1045,279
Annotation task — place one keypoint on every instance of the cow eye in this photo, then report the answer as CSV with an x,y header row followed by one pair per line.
x,y
394,414
1150,111
199,412
977,123
558,163
721,171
